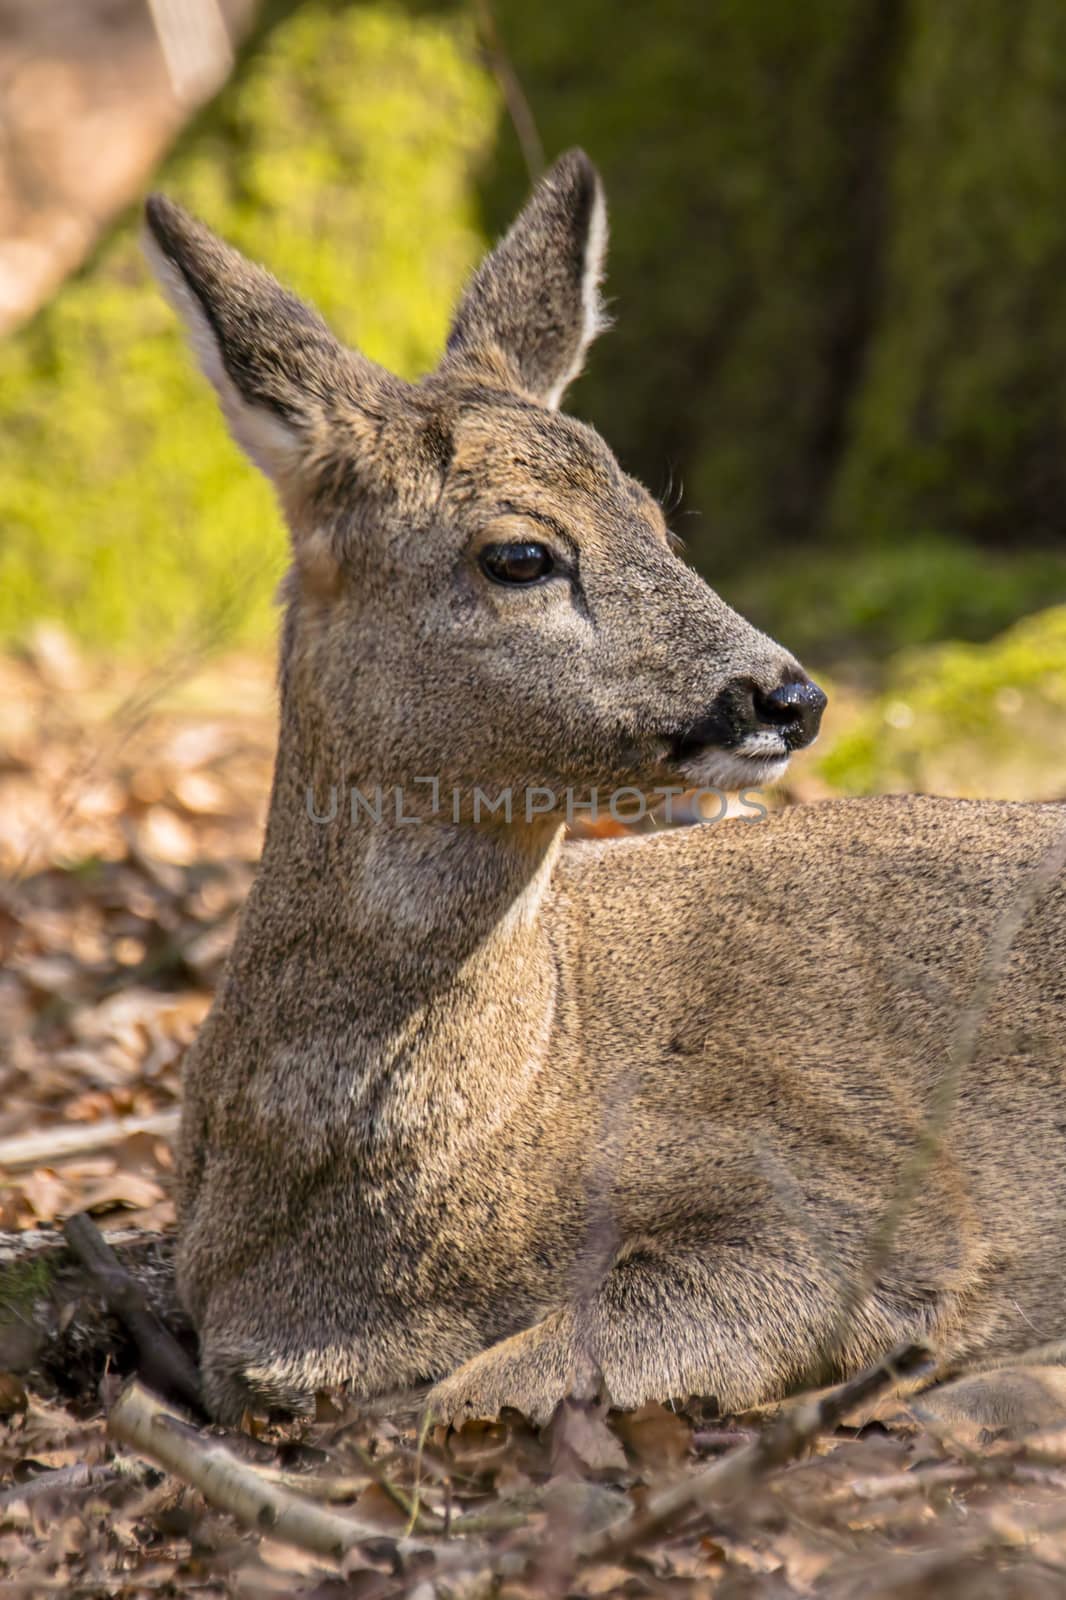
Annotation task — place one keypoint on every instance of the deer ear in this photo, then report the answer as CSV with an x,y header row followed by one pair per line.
x,y
275,366
533,307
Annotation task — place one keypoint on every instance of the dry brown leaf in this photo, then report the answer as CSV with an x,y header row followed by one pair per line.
x,y
375,1505
46,1194
580,1438
13,1395
656,1436
603,1579
122,1189
163,836
145,1153
201,793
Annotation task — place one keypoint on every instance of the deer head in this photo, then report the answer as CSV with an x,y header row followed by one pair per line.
x,y
478,591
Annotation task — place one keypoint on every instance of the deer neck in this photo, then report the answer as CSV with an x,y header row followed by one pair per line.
x,y
419,984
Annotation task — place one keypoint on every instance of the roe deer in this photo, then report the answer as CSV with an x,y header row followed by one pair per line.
x,y
482,1108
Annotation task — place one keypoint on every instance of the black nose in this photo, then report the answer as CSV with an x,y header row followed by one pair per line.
x,y
795,709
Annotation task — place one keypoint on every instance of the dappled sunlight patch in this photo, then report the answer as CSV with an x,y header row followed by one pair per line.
x,y
981,720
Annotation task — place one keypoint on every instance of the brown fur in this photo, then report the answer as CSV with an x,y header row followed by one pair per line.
x,y
480,1107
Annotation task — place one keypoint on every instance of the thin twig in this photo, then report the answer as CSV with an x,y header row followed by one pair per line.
x,y
162,1362
944,1475
399,1497
260,1499
79,1475
46,1146
514,96
423,1430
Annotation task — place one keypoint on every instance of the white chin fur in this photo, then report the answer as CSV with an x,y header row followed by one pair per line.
x,y
738,769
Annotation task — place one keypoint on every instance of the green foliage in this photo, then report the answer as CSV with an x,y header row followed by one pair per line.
x,y
841,317
966,719
832,604
341,155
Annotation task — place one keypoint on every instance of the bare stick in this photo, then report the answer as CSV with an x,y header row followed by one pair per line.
x,y
49,1245
145,1425
79,1475
48,1145
162,1362
945,1475
256,1498
514,96
903,1485
789,1436
319,1485
414,1518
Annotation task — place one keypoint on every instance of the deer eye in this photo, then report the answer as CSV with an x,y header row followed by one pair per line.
x,y
519,563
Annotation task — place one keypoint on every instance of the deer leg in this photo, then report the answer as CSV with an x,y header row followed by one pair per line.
x,y
1022,1395
660,1327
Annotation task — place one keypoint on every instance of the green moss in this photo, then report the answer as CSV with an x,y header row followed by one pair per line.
x,y
966,719
21,1284
341,156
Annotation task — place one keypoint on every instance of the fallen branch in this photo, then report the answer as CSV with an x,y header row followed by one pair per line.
x,y
64,1480
318,1486
945,1475
49,1145
793,1432
53,1323
143,1423
260,1498
48,1246
162,1362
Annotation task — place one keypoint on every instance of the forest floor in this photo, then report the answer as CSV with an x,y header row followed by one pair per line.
x,y
131,812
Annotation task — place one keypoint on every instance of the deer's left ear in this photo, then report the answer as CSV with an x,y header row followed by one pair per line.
x,y
533,306
277,369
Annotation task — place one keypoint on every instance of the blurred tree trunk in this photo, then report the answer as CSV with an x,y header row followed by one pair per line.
x,y
93,92
960,419
839,234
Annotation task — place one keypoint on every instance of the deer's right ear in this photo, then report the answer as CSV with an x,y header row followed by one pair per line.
x,y
533,306
275,365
